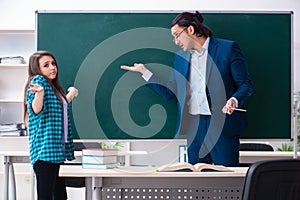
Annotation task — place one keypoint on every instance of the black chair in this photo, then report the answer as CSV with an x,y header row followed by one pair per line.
x,y
79,181
273,180
78,146
255,147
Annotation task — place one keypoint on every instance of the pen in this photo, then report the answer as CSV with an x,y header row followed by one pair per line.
x,y
238,109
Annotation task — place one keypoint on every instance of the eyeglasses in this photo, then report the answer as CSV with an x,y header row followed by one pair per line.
x,y
178,35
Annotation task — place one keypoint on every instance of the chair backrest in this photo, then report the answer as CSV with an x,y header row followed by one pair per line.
x,y
255,147
273,180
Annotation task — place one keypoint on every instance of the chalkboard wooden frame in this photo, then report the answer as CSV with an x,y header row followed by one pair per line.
x,y
266,40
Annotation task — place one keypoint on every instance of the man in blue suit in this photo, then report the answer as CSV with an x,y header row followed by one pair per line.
x,y
211,83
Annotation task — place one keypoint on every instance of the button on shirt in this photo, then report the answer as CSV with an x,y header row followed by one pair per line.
x,y
197,99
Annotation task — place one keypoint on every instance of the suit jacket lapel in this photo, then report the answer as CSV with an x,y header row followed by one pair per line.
x,y
183,66
212,49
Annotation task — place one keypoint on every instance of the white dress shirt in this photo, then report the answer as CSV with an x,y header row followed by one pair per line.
x,y
197,100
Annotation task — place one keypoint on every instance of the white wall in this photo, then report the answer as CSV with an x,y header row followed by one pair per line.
x,y
20,14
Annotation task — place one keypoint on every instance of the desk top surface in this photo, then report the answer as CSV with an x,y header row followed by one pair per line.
x,y
78,171
242,153
26,153
268,153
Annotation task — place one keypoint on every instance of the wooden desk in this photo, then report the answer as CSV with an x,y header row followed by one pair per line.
x,y
144,183
254,156
11,157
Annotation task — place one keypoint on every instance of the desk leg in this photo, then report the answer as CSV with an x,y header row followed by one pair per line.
x,y
32,185
13,181
97,188
93,188
5,178
88,188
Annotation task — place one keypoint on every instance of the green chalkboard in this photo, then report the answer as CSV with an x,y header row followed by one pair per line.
x,y
115,104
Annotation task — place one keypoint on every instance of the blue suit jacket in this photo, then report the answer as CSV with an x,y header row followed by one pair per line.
x,y
226,76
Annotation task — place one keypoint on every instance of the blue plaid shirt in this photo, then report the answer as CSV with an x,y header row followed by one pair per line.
x,y
46,128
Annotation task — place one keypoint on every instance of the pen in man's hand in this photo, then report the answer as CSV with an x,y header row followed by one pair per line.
x,y
238,109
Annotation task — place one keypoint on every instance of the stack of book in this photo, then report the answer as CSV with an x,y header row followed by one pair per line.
x,y
96,158
12,129
12,60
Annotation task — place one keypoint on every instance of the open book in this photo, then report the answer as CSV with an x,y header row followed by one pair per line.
x,y
192,168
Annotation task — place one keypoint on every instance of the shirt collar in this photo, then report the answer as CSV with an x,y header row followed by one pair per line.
x,y
203,49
